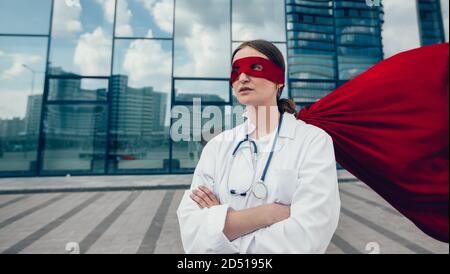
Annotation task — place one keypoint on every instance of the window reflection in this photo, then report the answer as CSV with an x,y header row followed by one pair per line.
x,y
144,18
207,91
76,89
25,16
75,139
310,91
140,102
82,37
258,19
22,66
193,135
202,41
358,30
311,40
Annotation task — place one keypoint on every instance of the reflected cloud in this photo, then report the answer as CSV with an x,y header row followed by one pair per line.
x,y
213,15
17,103
124,15
93,53
66,19
161,11
149,34
206,54
17,60
147,62
202,39
256,19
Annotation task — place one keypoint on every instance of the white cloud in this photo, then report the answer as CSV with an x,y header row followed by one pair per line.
x,y
66,19
444,7
13,103
163,14
253,19
93,53
108,9
214,15
124,15
17,61
149,34
161,11
205,51
202,43
146,62
400,29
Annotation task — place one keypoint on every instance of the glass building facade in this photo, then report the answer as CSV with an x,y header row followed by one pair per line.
x,y
430,22
330,42
93,87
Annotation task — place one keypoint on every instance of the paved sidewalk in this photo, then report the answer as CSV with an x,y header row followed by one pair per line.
x,y
144,221
93,183
26,185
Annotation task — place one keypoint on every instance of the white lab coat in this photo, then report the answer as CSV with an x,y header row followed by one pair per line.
x,y
302,174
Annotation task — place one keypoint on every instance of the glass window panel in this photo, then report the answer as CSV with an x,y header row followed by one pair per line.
x,y
430,22
303,91
258,19
22,66
202,38
82,37
78,89
352,66
144,18
75,138
311,40
25,16
140,106
358,48
192,128
312,66
208,91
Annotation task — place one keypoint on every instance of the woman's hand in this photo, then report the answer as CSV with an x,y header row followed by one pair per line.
x,y
204,197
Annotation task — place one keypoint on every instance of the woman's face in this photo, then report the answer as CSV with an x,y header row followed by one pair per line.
x,y
263,91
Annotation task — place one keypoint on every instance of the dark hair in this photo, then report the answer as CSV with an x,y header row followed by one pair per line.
x,y
274,55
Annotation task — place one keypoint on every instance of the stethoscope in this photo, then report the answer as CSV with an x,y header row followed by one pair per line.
x,y
259,189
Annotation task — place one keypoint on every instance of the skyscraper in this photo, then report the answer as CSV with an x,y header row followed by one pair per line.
x,y
431,26
34,106
330,42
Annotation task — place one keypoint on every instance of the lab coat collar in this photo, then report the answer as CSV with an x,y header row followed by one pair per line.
x,y
287,127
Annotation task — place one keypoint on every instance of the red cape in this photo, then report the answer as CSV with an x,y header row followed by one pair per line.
x,y
390,129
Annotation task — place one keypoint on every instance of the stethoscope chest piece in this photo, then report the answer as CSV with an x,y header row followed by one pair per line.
x,y
260,190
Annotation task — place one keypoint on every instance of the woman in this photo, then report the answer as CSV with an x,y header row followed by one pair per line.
x,y
268,185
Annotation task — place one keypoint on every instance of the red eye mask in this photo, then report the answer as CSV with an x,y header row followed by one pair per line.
x,y
257,67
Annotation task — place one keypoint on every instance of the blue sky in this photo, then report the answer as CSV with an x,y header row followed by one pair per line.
x,y
24,20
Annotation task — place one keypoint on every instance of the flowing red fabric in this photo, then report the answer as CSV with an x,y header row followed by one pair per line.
x,y
390,129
